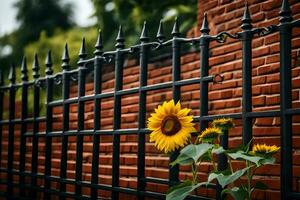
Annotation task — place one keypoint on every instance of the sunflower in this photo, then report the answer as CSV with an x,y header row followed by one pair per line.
x,y
210,134
223,123
263,149
171,126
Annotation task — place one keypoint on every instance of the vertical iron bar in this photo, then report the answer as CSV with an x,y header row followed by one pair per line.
x,y
204,71
174,171
49,120
247,75
119,59
65,120
286,132
36,108
80,117
204,67
142,111
11,107
97,114
24,78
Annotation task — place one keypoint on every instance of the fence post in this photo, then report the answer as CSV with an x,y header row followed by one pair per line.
x,y
24,78
142,110
204,67
80,117
119,59
11,107
174,171
285,30
49,118
65,118
36,102
247,75
97,113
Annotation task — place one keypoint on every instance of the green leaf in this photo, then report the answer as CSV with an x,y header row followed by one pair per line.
x,y
224,180
182,159
238,193
182,190
218,150
260,185
242,155
247,147
267,161
192,153
183,184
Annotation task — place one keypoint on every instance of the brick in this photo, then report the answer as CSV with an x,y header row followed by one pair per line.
x,y
268,69
221,59
270,5
259,101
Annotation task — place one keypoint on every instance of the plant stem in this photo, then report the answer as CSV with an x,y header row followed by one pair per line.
x,y
194,170
249,180
230,164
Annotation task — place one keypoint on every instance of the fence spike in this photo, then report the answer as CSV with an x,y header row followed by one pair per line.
x,y
246,20
35,67
285,12
82,52
65,58
99,44
12,74
175,30
48,64
120,38
24,76
160,32
144,35
205,28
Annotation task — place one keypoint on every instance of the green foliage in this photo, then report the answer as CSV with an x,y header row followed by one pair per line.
x,y
195,154
34,16
132,14
182,190
238,193
191,153
56,44
225,179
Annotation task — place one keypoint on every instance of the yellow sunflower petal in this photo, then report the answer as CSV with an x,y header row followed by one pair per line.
x,y
171,126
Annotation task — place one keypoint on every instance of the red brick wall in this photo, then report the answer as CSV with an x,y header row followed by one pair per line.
x,y
223,15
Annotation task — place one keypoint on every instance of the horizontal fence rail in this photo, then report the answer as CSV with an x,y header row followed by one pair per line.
x,y
118,56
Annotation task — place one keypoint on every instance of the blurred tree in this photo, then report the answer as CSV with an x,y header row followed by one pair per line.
x,y
34,16
131,14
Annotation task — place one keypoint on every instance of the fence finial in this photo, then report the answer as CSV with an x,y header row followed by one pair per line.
x,y
48,64
144,35
35,67
99,45
82,52
285,12
120,38
24,76
12,74
205,28
65,58
246,20
175,30
160,32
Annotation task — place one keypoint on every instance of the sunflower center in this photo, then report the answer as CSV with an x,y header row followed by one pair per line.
x,y
170,125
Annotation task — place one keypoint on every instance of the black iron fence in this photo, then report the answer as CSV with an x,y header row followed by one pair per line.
x,y
95,64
